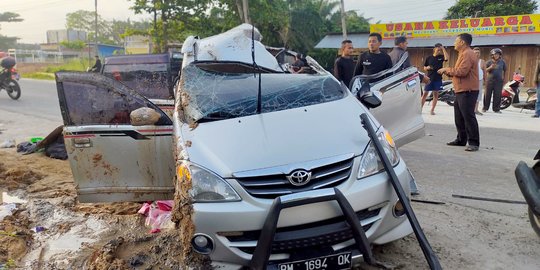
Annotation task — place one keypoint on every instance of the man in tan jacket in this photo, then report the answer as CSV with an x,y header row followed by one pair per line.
x,y
465,79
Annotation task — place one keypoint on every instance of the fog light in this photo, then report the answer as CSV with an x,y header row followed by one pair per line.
x,y
398,210
202,243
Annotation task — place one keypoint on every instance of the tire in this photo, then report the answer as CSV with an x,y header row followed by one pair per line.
x,y
13,89
535,221
505,102
450,97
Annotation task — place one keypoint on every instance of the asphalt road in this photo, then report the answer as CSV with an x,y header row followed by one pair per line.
x,y
38,99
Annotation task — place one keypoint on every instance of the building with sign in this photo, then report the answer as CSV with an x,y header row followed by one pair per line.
x,y
518,36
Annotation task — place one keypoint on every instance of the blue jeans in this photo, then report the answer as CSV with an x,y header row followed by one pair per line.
x,y
537,107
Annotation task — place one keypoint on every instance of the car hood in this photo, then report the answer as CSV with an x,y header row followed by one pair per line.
x,y
278,138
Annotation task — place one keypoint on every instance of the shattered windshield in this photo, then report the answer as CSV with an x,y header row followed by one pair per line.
x,y
209,95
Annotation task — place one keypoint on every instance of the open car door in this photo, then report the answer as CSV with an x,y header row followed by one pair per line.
x,y
400,112
111,159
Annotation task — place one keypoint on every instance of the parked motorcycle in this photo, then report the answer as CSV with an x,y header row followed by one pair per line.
x,y
9,78
529,104
528,179
510,91
446,95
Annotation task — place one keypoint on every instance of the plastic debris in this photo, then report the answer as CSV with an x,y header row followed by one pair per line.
x,y
158,214
7,209
38,229
36,139
7,144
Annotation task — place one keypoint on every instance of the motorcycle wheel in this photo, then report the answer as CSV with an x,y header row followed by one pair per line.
x,y
14,90
505,102
535,221
450,97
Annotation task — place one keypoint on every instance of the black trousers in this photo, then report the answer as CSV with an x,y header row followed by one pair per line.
x,y
493,88
465,118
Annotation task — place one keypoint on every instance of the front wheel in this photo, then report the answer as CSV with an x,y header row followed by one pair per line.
x,y
13,89
535,221
505,102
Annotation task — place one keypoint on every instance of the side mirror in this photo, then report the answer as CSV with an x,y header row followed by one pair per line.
x,y
370,99
144,116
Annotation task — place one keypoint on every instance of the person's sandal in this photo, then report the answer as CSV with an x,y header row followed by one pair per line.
x,y
432,113
471,148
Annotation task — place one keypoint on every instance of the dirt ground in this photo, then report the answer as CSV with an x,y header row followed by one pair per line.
x,y
75,236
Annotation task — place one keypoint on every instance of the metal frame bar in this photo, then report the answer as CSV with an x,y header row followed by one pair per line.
x,y
430,255
262,252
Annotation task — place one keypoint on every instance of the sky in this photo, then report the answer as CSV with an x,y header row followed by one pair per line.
x,y
42,15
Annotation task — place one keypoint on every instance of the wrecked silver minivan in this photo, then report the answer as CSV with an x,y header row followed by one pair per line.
x,y
265,151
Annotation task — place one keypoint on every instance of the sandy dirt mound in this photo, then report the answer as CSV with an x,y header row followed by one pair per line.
x,y
14,237
76,235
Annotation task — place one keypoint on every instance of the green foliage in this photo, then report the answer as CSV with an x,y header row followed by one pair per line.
x,y
72,65
486,8
295,24
325,57
5,41
38,76
10,17
47,73
74,45
109,32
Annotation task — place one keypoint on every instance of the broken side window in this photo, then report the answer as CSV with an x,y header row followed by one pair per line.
x,y
94,105
149,80
210,95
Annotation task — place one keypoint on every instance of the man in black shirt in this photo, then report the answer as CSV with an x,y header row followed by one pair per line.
x,y
97,65
344,65
373,61
433,63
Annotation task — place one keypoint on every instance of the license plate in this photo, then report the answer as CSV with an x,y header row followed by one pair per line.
x,y
337,261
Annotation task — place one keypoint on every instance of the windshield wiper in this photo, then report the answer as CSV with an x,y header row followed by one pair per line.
x,y
216,116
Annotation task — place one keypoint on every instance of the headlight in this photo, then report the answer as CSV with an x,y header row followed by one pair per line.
x,y
205,185
370,163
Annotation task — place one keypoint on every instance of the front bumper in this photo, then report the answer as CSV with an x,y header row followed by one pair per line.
x,y
235,227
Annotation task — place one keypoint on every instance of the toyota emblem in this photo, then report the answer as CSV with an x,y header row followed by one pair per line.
x,y
299,177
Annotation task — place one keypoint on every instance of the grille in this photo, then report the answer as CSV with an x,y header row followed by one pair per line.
x,y
306,236
272,186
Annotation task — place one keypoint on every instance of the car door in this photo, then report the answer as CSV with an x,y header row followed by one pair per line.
x,y
400,112
111,159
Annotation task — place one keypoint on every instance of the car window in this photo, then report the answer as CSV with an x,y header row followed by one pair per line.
x,y
93,105
211,94
149,80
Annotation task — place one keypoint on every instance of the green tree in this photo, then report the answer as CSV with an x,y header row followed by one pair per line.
x,y
84,20
74,45
486,8
5,41
171,17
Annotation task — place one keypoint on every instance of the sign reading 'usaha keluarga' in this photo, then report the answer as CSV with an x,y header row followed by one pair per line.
x,y
499,25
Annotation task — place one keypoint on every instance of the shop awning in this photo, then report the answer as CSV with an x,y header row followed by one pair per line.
x,y
333,41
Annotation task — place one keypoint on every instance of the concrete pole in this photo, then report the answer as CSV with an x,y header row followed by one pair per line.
x,y
245,6
343,22
96,25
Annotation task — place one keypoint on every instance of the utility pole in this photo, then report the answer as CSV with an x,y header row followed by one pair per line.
x,y
246,9
343,23
96,25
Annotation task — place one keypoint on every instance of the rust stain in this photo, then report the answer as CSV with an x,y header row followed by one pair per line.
x,y
97,158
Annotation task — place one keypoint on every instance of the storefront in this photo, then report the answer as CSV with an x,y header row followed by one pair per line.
x,y
518,36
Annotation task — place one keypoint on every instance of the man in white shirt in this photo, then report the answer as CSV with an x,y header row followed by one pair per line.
x,y
481,78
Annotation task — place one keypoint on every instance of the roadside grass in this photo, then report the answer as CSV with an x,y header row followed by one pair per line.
x,y
47,72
